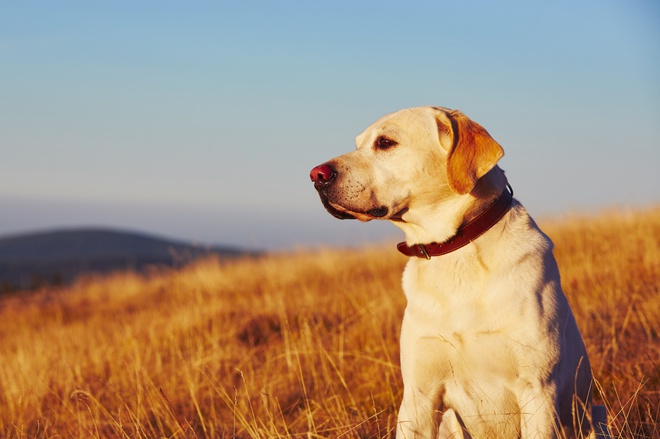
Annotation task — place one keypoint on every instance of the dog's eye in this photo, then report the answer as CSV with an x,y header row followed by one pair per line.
x,y
384,143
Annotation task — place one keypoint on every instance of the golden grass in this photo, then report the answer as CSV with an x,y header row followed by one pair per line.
x,y
302,344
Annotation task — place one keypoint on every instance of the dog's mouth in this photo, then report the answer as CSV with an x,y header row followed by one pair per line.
x,y
342,212
338,211
381,212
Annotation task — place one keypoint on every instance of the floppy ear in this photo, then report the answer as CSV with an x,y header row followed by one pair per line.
x,y
473,152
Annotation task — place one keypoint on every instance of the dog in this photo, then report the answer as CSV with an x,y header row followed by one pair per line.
x,y
489,344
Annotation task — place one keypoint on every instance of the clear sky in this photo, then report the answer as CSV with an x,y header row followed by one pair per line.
x,y
201,120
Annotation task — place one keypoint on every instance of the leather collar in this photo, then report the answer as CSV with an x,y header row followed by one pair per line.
x,y
465,234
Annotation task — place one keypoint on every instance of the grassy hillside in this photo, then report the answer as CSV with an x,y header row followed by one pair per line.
x,y
34,260
301,344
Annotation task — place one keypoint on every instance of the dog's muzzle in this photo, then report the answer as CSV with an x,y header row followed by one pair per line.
x,y
323,176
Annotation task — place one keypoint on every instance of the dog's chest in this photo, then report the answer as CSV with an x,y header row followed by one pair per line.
x,y
459,336
462,322
455,297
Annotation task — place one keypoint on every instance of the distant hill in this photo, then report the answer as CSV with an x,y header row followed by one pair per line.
x,y
55,257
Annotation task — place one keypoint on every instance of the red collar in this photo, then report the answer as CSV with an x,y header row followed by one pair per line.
x,y
466,234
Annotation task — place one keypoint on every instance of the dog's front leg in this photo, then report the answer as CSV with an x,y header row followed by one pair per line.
x,y
451,428
418,415
537,415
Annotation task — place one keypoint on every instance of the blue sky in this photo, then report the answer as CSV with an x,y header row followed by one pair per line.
x,y
201,120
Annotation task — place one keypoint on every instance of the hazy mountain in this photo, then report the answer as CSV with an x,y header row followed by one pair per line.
x,y
30,260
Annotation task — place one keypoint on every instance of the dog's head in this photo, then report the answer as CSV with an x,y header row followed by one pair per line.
x,y
406,160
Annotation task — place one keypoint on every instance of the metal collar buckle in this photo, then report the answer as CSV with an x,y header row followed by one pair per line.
x,y
423,251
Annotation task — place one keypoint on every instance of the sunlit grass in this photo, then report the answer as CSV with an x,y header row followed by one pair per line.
x,y
301,344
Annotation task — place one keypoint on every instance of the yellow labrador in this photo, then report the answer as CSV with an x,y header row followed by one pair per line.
x,y
489,345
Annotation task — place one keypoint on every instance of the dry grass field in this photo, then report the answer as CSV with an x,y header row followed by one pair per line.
x,y
301,344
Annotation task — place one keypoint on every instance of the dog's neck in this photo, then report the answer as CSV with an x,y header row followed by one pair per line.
x,y
439,221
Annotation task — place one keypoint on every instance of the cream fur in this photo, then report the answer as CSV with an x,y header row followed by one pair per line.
x,y
489,345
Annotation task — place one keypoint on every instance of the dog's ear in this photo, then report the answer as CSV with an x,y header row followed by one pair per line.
x,y
472,152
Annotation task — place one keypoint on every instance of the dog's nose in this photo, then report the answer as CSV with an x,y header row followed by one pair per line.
x,y
322,174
